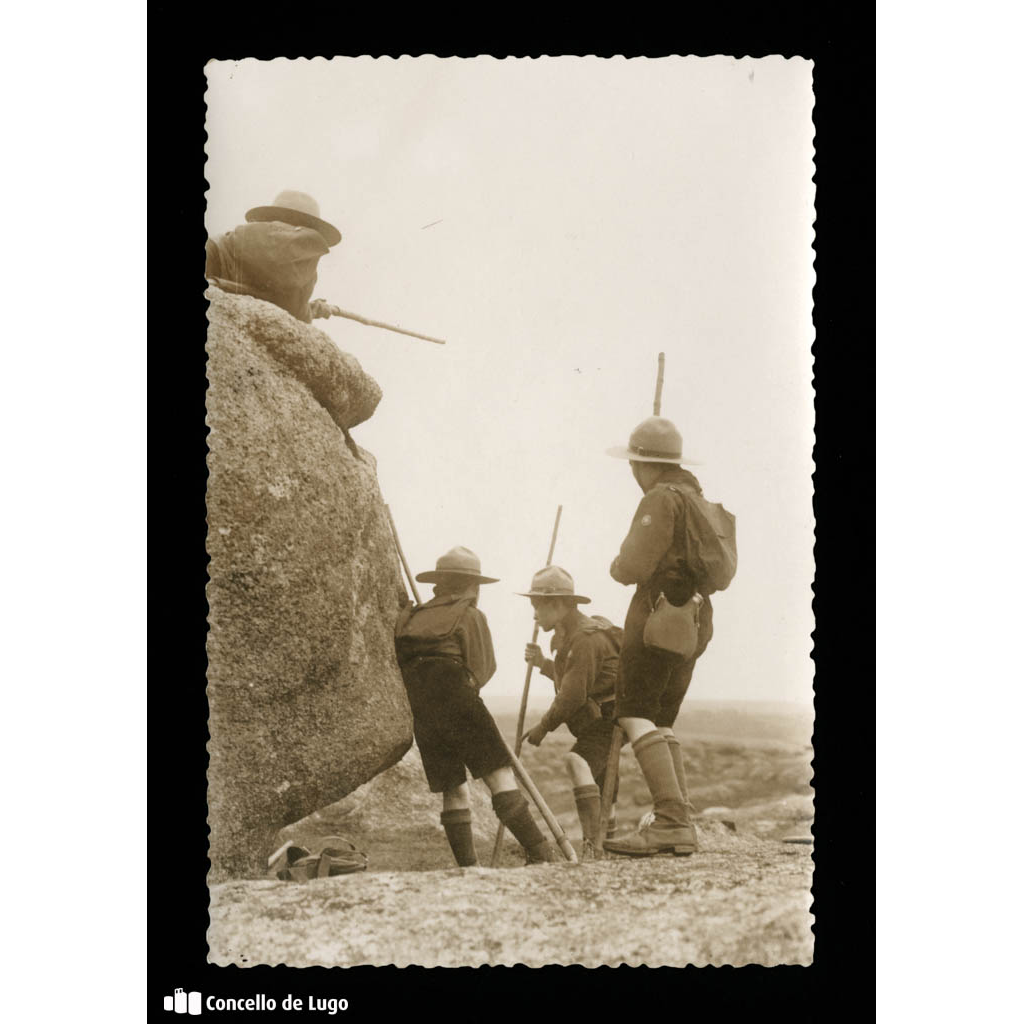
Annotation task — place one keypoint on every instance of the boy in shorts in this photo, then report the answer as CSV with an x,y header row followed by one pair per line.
x,y
445,653
584,671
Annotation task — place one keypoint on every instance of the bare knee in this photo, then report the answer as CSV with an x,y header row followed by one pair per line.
x,y
500,781
456,799
634,728
579,771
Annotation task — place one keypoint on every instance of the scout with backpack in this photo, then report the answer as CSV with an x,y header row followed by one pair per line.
x,y
584,671
445,654
431,632
680,549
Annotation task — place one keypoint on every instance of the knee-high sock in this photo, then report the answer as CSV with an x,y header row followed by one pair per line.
x,y
512,810
676,750
588,807
458,827
652,754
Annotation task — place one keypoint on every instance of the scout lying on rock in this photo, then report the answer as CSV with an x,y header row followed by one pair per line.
x,y
274,257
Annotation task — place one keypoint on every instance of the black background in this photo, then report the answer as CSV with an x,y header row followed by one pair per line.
x,y
841,45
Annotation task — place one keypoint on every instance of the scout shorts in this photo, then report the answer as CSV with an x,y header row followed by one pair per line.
x,y
453,728
652,683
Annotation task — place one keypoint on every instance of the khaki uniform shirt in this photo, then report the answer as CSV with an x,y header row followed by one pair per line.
x,y
585,666
655,544
652,555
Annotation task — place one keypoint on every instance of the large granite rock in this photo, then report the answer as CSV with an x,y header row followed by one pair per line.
x,y
306,700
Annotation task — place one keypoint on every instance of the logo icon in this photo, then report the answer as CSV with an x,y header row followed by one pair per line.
x,y
182,1002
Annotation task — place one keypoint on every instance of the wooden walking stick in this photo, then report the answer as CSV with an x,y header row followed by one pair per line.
x,y
496,853
335,311
236,288
661,381
611,780
545,812
611,772
401,555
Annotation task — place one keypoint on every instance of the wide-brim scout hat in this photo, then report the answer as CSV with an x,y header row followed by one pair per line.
x,y
553,581
654,440
299,209
459,563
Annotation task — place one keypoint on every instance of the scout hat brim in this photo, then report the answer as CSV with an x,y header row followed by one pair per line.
x,y
622,452
436,575
296,217
578,598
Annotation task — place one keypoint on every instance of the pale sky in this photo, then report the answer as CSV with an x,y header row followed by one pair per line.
x,y
591,214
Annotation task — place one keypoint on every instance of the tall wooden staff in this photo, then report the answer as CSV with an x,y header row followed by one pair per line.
x,y
611,772
335,311
401,555
324,309
496,853
611,781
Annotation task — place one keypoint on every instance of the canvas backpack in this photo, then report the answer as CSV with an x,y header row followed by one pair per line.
x,y
710,542
606,626
422,630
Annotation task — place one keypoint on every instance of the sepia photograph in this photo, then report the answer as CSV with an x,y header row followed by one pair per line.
x,y
510,415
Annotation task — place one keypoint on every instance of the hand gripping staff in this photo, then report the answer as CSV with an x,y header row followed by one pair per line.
x,y
323,309
496,853
552,822
611,773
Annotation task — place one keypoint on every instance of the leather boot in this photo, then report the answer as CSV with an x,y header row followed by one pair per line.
x,y
671,831
543,853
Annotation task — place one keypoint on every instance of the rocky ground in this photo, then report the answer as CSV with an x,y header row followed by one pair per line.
x,y
743,898
740,900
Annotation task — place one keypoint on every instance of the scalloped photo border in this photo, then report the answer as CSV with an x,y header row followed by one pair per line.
x,y
802,71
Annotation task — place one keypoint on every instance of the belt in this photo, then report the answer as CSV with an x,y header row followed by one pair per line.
x,y
451,659
438,657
